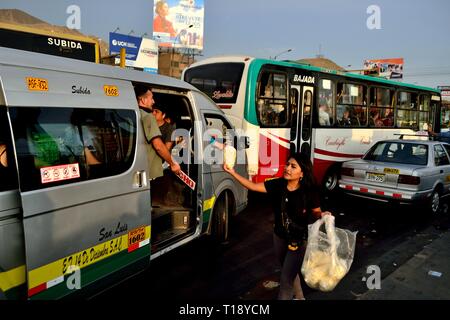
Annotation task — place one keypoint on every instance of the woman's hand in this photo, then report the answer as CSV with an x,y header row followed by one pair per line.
x,y
325,213
227,169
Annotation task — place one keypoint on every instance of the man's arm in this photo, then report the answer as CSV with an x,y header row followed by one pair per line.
x,y
169,145
164,153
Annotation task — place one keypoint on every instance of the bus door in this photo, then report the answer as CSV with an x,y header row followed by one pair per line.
x,y
305,132
82,179
301,106
296,116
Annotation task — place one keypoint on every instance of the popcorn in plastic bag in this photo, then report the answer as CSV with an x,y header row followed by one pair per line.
x,y
329,254
229,156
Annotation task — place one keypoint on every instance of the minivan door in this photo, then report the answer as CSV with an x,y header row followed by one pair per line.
x,y
83,186
12,248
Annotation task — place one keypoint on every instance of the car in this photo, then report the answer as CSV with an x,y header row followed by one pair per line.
x,y
412,171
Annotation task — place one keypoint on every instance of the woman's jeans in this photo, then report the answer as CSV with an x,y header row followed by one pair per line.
x,y
290,269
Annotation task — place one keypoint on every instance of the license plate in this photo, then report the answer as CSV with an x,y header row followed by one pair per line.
x,y
375,177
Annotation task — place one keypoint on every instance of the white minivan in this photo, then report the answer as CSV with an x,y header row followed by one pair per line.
x,y
69,225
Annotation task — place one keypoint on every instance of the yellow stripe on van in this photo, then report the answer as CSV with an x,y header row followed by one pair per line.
x,y
208,204
12,278
81,259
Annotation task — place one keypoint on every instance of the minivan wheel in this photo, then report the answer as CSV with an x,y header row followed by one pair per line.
x,y
220,219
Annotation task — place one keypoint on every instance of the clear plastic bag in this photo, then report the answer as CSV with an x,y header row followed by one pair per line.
x,y
329,254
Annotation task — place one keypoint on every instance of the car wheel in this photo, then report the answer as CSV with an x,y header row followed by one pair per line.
x,y
331,180
220,217
435,202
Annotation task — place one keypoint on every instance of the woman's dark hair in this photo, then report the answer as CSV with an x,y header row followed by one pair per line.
x,y
305,164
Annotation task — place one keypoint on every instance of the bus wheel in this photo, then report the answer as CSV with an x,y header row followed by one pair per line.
x,y
220,219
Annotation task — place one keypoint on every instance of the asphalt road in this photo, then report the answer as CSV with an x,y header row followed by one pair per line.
x,y
245,268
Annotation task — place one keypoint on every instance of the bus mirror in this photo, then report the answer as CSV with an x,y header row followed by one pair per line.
x,y
246,141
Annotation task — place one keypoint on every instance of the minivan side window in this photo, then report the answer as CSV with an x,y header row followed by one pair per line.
x,y
8,177
57,146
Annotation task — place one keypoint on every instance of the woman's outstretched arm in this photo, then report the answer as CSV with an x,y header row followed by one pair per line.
x,y
258,187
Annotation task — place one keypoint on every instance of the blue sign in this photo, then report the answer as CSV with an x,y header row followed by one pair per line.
x,y
130,43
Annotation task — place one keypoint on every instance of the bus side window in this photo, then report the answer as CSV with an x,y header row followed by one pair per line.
x,y
326,105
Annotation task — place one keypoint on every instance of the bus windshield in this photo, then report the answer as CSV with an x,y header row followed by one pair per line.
x,y
220,81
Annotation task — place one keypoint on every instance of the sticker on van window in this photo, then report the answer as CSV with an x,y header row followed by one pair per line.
x,y
60,173
188,181
111,91
37,84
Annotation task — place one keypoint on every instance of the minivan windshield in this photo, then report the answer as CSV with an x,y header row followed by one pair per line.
x,y
399,152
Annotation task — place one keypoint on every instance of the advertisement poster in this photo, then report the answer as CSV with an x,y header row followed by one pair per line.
x,y
179,23
140,52
445,92
387,68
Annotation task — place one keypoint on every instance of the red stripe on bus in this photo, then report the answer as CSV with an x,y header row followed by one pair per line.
x,y
337,154
282,139
37,289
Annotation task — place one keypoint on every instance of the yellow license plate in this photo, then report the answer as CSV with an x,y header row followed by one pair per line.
x,y
37,84
136,236
391,171
375,177
111,91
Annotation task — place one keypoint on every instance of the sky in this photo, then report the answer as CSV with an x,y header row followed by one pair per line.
x,y
417,31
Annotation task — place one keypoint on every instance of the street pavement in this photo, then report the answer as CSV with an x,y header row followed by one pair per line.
x,y
426,276
417,268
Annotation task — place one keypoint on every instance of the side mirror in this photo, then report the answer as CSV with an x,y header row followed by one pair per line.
x,y
246,142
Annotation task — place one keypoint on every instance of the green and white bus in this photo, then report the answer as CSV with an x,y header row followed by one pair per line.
x,y
333,116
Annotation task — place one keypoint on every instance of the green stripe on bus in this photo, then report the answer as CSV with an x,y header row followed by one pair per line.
x,y
95,272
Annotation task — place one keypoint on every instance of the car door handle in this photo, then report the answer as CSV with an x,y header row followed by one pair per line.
x,y
140,179
441,171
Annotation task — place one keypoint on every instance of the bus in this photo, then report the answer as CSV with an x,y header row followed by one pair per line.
x,y
44,41
77,211
331,115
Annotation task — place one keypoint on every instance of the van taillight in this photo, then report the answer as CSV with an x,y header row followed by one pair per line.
x,y
347,172
404,179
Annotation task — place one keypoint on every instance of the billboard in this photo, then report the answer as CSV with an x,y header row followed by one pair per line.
x,y
179,23
140,52
387,68
445,92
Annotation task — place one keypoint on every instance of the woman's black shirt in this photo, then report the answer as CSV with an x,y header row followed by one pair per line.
x,y
298,206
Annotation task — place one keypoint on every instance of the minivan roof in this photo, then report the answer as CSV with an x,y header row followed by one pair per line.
x,y
14,57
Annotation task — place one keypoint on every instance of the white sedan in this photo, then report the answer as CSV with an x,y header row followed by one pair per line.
x,y
406,171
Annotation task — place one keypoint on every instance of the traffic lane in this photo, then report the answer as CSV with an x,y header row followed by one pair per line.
x,y
201,270
388,236
246,268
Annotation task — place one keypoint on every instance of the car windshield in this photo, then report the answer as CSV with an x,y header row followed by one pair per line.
x,y
399,152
